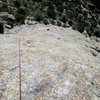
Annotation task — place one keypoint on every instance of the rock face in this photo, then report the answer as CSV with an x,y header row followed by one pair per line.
x,y
57,64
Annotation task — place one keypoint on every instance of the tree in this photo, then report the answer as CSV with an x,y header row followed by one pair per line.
x,y
1,28
21,15
17,3
45,21
64,18
45,2
51,12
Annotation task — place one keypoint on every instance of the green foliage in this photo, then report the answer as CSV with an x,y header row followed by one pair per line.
x,y
52,22
51,12
45,2
80,28
64,25
59,23
80,18
74,11
17,3
39,17
27,11
37,0
45,21
60,8
1,27
20,18
70,22
4,7
97,32
64,18
11,10
59,2
21,15
21,11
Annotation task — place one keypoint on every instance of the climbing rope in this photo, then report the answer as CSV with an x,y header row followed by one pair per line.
x,y
20,80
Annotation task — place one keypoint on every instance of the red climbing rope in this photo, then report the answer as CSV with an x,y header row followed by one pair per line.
x,y
20,80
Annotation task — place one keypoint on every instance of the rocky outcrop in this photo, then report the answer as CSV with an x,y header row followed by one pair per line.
x,y
57,64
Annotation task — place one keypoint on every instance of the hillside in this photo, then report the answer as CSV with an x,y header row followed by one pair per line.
x,y
81,15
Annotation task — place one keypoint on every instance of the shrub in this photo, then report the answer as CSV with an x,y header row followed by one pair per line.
x,y
1,28
10,10
45,21
39,17
75,26
89,32
27,11
21,11
0,8
45,2
17,3
80,18
20,15
97,32
80,28
51,12
20,19
70,22
59,23
52,22
64,25
60,8
4,7
64,18
58,2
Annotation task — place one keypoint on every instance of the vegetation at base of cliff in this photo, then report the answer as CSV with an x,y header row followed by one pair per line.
x,y
81,15
1,28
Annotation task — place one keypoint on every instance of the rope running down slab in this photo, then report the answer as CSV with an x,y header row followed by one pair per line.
x,y
20,72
